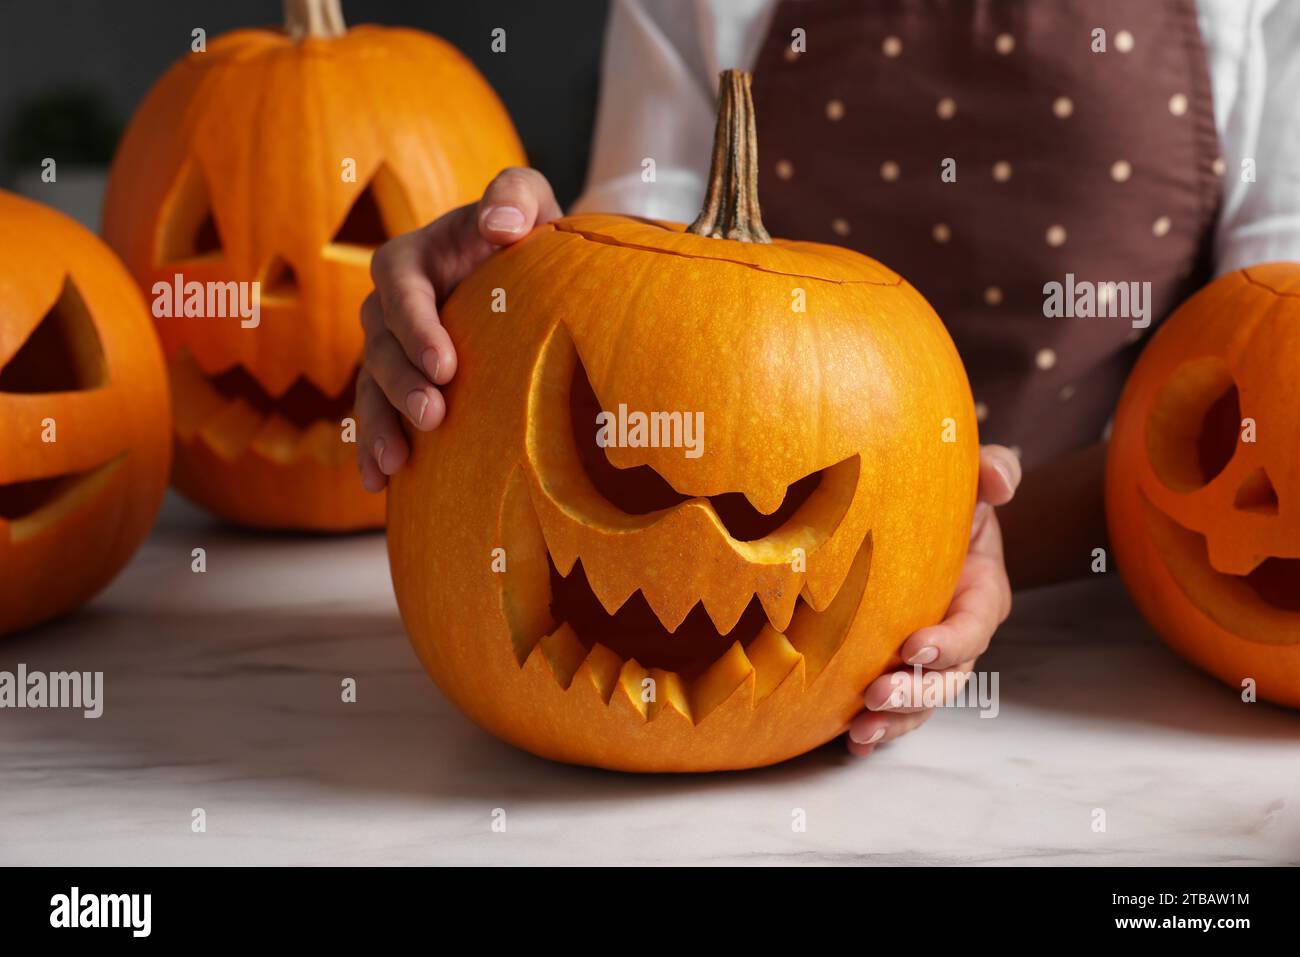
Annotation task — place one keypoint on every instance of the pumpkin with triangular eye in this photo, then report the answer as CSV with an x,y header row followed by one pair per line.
x,y
693,490
285,159
1203,481
85,425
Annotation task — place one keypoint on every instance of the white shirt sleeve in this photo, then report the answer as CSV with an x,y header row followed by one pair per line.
x,y
654,122
1254,48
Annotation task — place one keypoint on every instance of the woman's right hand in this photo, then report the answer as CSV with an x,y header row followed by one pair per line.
x,y
408,353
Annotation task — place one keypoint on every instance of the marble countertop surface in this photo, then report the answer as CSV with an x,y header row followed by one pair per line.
x,y
222,692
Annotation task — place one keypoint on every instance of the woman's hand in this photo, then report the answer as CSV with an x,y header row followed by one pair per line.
x,y
408,352
981,602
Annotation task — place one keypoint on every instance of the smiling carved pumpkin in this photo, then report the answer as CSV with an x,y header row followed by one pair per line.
x,y
84,419
1203,480
720,601
286,158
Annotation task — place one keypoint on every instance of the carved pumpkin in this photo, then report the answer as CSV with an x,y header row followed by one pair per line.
x,y
285,159
650,608
1203,481
84,419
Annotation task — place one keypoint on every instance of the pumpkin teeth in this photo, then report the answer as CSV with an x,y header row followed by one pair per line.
x,y
564,654
779,601
774,660
629,690
600,671
725,611
720,681
766,500
611,588
671,604
232,427
671,695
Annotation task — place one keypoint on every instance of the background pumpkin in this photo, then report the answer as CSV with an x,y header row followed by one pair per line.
x,y
827,517
79,364
1206,525
233,169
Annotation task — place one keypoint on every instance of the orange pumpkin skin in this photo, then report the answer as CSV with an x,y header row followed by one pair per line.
x,y
303,155
865,385
1205,525
78,355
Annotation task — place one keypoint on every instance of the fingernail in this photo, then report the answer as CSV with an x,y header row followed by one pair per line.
x,y
504,219
924,656
875,736
430,362
416,403
1002,469
379,454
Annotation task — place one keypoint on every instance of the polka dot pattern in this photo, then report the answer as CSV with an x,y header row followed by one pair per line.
x,y
1069,161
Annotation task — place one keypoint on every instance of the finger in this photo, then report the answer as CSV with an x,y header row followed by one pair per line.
x,y
870,728
372,479
905,692
379,434
898,692
1000,474
406,303
514,202
406,388
980,603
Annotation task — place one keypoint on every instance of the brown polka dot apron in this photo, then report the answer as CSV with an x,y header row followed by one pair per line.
x,y
985,150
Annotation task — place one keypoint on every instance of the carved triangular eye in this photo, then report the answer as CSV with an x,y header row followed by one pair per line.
x,y
63,352
188,227
640,490
379,212
364,224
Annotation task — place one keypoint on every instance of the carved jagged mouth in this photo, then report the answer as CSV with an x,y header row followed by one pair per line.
x,y
32,506
1262,606
695,663
234,414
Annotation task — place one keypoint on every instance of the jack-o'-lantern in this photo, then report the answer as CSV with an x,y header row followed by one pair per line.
x,y
1203,481
693,489
285,159
85,424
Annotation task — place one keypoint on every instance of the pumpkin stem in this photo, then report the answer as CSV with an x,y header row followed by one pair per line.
x,y
314,18
731,203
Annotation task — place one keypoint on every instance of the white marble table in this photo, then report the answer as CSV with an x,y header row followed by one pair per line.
x,y
222,693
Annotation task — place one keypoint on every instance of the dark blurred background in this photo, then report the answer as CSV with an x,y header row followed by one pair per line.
x,y
72,72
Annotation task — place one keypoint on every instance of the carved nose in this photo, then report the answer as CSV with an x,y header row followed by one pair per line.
x,y
279,279
1256,493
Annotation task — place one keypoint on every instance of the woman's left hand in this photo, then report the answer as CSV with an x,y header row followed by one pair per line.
x,y
980,603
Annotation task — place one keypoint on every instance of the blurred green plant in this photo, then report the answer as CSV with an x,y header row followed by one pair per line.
x,y
75,126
